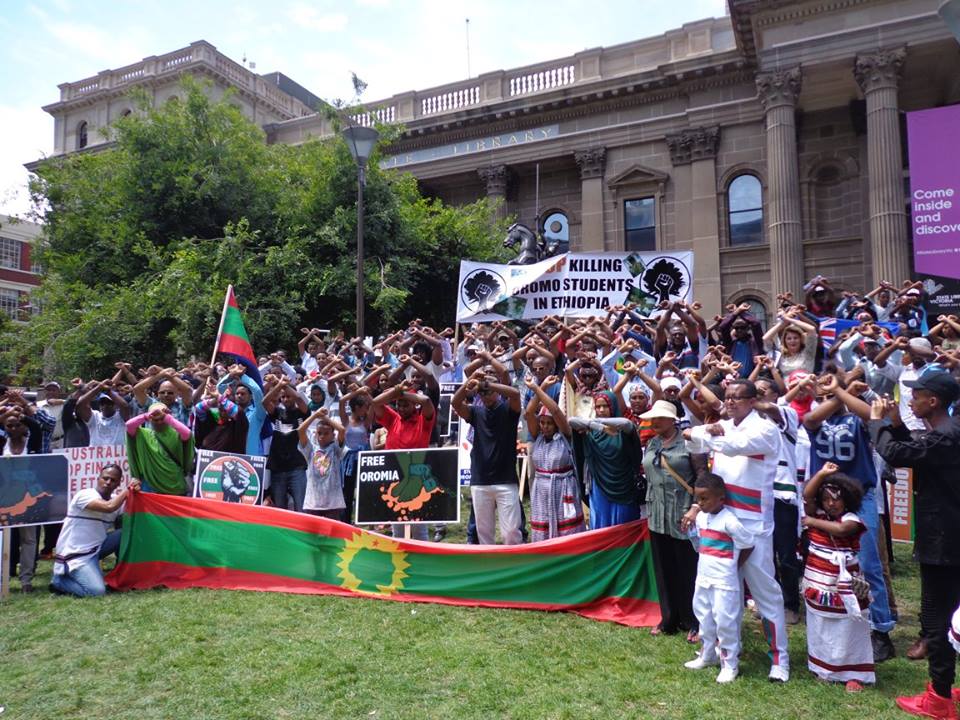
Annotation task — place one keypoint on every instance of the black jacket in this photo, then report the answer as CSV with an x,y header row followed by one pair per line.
x,y
935,460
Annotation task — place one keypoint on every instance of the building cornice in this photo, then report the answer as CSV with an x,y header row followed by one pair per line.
x,y
198,58
572,108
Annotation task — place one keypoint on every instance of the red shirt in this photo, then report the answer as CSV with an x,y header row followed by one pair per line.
x,y
409,434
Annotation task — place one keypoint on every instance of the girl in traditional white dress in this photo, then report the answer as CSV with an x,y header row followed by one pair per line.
x,y
838,633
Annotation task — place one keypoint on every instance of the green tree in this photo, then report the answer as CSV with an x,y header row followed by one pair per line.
x,y
141,240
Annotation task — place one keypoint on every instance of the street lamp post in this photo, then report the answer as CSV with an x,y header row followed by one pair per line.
x,y
360,141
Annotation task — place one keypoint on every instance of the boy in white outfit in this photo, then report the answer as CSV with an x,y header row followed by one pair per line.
x,y
745,448
724,546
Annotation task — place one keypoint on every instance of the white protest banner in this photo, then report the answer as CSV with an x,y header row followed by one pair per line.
x,y
85,463
464,449
572,285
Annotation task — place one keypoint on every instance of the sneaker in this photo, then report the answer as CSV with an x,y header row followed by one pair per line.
x,y
883,648
700,662
854,686
779,673
929,704
792,617
727,674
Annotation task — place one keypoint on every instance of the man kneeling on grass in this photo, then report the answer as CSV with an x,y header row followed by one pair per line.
x,y
84,540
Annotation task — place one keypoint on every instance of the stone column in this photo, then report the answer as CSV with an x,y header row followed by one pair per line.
x,y
697,147
591,162
877,75
778,92
495,177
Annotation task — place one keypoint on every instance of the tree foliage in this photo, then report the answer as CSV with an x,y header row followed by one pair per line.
x,y
141,240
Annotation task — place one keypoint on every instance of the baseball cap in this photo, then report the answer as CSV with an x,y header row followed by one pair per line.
x,y
938,382
920,344
670,382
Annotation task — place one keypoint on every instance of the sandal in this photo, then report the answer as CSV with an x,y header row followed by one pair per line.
x,y
693,637
854,686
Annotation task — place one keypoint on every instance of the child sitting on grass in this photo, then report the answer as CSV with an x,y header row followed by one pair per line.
x,y
724,546
838,633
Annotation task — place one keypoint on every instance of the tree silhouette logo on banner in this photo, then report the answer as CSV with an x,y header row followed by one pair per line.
x,y
482,289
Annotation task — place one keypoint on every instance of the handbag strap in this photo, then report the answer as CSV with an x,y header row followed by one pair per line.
x,y
664,465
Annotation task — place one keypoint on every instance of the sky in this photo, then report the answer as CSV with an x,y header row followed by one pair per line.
x,y
393,45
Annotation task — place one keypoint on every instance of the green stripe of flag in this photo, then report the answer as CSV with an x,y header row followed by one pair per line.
x,y
233,324
519,577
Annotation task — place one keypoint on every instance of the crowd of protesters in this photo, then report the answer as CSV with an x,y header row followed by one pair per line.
x,y
756,455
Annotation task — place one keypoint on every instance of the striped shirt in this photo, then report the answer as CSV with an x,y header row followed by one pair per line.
x,y
746,457
722,537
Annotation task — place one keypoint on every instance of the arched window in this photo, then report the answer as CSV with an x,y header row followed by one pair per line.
x,y
758,310
556,229
82,135
745,210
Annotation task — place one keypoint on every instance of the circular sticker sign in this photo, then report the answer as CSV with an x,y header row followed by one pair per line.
x,y
231,479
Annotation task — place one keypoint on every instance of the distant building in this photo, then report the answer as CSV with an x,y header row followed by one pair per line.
x,y
770,142
88,106
19,275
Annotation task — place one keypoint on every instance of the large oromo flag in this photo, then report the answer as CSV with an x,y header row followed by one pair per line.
x,y
232,338
185,542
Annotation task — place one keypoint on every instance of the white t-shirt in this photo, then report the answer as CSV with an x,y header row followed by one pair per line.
x,y
722,537
912,422
83,530
324,475
106,430
785,481
309,363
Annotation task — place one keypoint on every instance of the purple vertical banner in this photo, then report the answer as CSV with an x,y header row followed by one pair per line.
x,y
934,153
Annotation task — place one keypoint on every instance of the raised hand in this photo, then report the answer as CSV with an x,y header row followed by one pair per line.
x,y
828,384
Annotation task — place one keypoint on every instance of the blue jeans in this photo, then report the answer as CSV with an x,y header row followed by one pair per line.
x,y
881,619
87,579
292,483
110,546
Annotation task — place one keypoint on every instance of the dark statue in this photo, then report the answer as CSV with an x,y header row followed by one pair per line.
x,y
533,248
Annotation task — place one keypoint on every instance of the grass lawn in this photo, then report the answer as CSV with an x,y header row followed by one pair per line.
x,y
221,654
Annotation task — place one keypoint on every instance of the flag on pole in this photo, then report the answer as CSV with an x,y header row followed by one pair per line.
x,y
232,338
180,543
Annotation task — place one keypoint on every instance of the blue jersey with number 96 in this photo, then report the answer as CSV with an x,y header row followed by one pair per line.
x,y
843,439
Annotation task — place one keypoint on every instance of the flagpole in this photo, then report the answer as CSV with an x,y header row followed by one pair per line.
x,y
223,317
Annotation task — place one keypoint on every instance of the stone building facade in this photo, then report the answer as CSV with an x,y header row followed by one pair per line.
x,y
88,107
770,142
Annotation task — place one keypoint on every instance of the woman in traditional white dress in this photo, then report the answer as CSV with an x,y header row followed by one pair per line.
x,y
555,505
